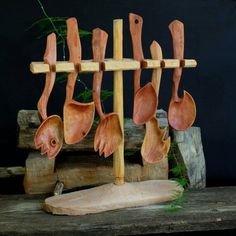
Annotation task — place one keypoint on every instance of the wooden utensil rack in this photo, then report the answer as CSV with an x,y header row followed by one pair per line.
x,y
117,64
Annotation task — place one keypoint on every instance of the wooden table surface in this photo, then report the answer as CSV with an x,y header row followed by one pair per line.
x,y
203,210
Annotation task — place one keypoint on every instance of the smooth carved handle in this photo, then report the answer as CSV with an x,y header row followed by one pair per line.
x,y
136,24
50,57
74,46
156,53
177,32
99,43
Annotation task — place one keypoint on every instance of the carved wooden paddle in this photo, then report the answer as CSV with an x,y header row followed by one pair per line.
x,y
145,98
78,117
154,147
49,136
108,134
182,111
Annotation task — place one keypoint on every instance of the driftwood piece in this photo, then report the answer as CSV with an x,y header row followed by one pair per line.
x,y
111,197
203,210
28,122
82,170
190,153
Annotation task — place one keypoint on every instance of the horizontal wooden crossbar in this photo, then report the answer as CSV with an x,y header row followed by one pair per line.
x,y
112,65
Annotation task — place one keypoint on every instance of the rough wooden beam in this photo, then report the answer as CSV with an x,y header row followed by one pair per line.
x,y
116,65
6,172
209,209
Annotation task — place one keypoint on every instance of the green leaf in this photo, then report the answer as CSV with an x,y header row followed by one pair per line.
x,y
177,170
105,94
181,181
62,78
84,33
85,96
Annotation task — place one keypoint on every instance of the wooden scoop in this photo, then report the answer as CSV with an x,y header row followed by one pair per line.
x,y
182,111
78,117
145,98
108,134
49,136
154,147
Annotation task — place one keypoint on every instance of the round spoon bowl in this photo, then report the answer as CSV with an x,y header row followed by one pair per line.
x,y
182,113
49,136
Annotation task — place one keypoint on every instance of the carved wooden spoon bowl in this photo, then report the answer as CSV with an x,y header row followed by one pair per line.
x,y
145,98
182,111
49,136
108,134
155,147
78,117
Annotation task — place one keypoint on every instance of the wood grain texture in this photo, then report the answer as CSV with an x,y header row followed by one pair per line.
x,y
203,210
118,101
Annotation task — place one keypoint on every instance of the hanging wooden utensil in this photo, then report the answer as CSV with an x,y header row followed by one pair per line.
x,y
154,147
108,134
49,136
145,98
78,117
182,111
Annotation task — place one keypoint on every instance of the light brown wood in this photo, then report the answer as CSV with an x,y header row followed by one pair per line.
x,y
112,65
111,197
89,66
182,110
120,64
188,63
118,106
170,63
64,66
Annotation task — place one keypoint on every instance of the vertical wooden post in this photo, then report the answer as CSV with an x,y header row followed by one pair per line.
x,y
118,156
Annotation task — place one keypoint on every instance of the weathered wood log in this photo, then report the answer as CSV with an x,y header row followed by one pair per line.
x,y
82,170
28,122
6,172
190,153
202,210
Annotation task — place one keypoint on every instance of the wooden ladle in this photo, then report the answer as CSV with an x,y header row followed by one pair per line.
x,y
49,136
78,117
108,134
182,111
145,98
154,147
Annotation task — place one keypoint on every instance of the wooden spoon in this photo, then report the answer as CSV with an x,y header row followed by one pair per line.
x,y
154,147
49,136
145,98
108,134
78,117
182,111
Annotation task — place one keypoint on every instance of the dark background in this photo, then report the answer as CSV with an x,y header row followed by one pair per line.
x,y
210,35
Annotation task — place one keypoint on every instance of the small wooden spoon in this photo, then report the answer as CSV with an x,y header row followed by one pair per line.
x,y
78,117
182,111
145,98
108,134
49,136
154,147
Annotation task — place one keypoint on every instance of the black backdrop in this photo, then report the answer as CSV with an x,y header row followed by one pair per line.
x,y
210,35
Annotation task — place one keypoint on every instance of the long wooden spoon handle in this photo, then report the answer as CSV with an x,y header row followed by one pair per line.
x,y
136,24
99,43
74,46
177,31
50,57
156,53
